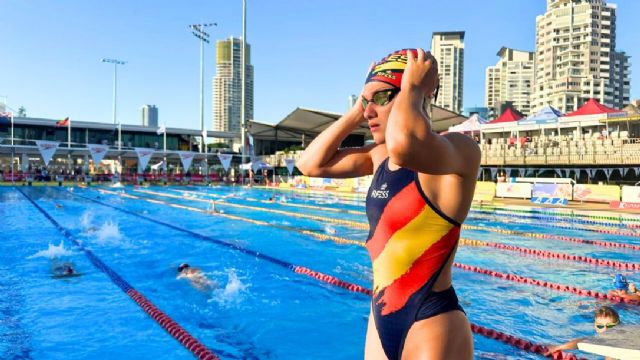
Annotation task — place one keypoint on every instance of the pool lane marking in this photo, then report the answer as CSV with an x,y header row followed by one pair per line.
x,y
316,235
314,207
167,323
295,268
564,227
553,255
465,241
355,224
492,208
572,219
522,279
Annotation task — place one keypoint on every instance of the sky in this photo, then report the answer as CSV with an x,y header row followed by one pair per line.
x,y
305,53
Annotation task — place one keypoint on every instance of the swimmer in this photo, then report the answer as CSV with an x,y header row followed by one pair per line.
x,y
605,318
624,289
197,278
64,270
423,185
213,210
59,206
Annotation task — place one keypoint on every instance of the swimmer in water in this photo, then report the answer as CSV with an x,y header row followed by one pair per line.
x,y
59,206
197,278
64,270
624,289
213,210
605,318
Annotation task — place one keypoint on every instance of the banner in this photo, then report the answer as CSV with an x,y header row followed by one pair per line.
x,y
24,166
291,163
144,155
186,157
631,194
558,191
485,191
549,201
225,160
47,149
97,152
596,193
514,190
255,164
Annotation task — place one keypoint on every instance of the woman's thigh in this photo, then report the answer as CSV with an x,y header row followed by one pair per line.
x,y
444,336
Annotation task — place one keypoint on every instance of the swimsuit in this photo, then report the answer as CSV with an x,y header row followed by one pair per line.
x,y
409,242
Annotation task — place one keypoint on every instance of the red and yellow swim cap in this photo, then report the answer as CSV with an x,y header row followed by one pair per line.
x,y
390,69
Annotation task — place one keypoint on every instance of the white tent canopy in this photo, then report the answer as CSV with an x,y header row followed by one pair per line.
x,y
472,124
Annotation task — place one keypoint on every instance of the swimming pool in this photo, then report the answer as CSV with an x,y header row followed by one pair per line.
x,y
261,309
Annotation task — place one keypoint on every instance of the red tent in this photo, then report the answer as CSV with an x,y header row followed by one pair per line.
x,y
592,107
508,115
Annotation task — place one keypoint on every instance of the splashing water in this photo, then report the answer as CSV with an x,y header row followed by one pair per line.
x,y
233,292
108,233
86,219
329,229
116,185
52,252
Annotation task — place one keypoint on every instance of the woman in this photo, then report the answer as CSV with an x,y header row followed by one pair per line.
x,y
421,192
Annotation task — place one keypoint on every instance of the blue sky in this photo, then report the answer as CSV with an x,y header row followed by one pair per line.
x,y
305,53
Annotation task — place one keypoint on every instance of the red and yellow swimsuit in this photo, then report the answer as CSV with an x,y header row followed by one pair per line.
x,y
409,242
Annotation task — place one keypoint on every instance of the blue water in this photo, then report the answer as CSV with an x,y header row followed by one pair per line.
x,y
259,310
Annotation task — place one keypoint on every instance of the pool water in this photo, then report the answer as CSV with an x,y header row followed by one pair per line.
x,y
258,308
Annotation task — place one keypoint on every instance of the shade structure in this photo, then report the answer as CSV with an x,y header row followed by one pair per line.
x,y
546,115
592,107
472,124
508,115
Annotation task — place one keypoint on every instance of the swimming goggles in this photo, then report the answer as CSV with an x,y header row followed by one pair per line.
x,y
608,326
381,98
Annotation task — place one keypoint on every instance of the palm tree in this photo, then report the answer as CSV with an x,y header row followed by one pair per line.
x,y
22,112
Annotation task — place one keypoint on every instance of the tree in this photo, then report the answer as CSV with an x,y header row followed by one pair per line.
x,y
217,146
22,112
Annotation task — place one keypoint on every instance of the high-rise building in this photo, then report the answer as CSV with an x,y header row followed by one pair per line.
x,y
448,49
352,100
227,85
576,56
149,114
510,80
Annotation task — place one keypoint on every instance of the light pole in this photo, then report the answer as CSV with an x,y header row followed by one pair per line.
x,y
115,63
243,125
198,30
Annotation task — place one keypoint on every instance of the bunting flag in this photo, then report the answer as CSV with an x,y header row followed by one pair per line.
x,y
477,177
521,172
63,122
5,119
637,171
559,172
144,155
291,163
623,171
225,160
493,172
186,157
255,164
97,152
529,171
47,149
24,166
607,172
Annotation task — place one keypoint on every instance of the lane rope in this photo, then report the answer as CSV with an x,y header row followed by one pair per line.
x,y
174,329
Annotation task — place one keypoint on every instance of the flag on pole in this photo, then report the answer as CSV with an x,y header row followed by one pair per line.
x,y
63,122
161,130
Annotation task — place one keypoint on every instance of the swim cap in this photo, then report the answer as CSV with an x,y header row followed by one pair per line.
x,y
620,282
183,266
390,69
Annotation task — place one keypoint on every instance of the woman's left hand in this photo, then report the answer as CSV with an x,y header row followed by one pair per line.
x,y
421,73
